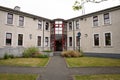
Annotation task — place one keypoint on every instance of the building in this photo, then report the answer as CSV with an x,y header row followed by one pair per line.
x,y
99,32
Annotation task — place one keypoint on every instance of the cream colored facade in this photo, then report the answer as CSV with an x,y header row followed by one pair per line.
x,y
30,31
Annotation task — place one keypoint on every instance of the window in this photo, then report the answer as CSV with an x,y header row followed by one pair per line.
x,y
47,26
107,39
70,41
39,41
106,18
77,24
77,41
21,21
39,24
8,38
70,25
20,39
10,18
96,39
46,41
95,21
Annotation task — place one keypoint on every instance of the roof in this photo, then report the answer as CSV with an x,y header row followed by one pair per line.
x,y
22,13
97,12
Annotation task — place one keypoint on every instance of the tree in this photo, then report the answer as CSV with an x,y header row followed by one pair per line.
x,y
80,4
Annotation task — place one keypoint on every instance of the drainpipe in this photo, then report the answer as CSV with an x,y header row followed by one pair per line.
x,y
73,35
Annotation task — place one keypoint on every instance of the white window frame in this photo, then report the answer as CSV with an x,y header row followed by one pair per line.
x,y
69,41
109,19
41,25
7,19
5,39
19,21
98,21
69,26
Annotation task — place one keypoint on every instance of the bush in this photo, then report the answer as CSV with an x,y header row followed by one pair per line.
x,y
7,56
71,53
30,52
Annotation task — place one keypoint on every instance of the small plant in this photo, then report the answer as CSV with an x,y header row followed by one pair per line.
x,y
30,52
48,51
6,56
71,53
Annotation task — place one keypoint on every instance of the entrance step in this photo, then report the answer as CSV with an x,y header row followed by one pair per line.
x,y
57,53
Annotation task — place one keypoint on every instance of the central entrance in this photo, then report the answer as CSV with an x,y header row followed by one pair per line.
x,y
58,35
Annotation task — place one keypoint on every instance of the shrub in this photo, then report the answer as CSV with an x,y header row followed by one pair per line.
x,y
30,52
71,53
7,56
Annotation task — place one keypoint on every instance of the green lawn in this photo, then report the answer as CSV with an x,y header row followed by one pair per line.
x,y
18,76
99,77
92,61
31,62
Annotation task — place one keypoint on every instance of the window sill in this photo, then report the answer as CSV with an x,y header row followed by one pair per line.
x,y
108,46
96,47
10,24
20,26
107,24
96,26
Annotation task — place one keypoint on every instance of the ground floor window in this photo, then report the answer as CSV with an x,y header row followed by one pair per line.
x,y
107,39
8,38
96,39
70,41
77,41
46,41
20,39
39,40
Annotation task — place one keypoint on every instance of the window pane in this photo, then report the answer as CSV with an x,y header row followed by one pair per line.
x,y
107,39
39,41
95,21
20,39
106,18
96,39
21,20
8,38
70,41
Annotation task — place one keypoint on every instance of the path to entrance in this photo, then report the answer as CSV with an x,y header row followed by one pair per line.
x,y
57,70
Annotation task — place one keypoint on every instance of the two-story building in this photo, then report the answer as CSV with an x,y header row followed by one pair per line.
x,y
99,32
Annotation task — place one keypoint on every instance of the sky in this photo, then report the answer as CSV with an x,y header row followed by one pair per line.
x,y
53,9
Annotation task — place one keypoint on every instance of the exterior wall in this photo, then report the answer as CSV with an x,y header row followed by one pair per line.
x,y
30,28
87,28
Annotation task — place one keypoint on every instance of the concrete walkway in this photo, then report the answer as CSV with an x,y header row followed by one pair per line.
x,y
57,70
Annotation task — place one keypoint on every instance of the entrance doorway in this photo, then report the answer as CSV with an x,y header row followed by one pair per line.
x,y
59,45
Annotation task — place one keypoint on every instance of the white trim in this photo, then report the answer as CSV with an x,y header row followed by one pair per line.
x,y
110,36
98,22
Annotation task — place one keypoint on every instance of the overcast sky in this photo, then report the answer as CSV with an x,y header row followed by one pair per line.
x,y
55,8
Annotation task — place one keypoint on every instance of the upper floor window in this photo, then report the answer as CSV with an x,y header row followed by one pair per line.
x,y
39,24
106,18
39,41
107,39
96,39
21,20
95,20
47,26
8,38
70,25
10,18
20,39
77,24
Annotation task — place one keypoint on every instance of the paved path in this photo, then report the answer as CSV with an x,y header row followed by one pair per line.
x,y
57,70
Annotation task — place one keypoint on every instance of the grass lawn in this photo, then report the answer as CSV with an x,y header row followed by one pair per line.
x,y
92,61
99,77
18,76
31,62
